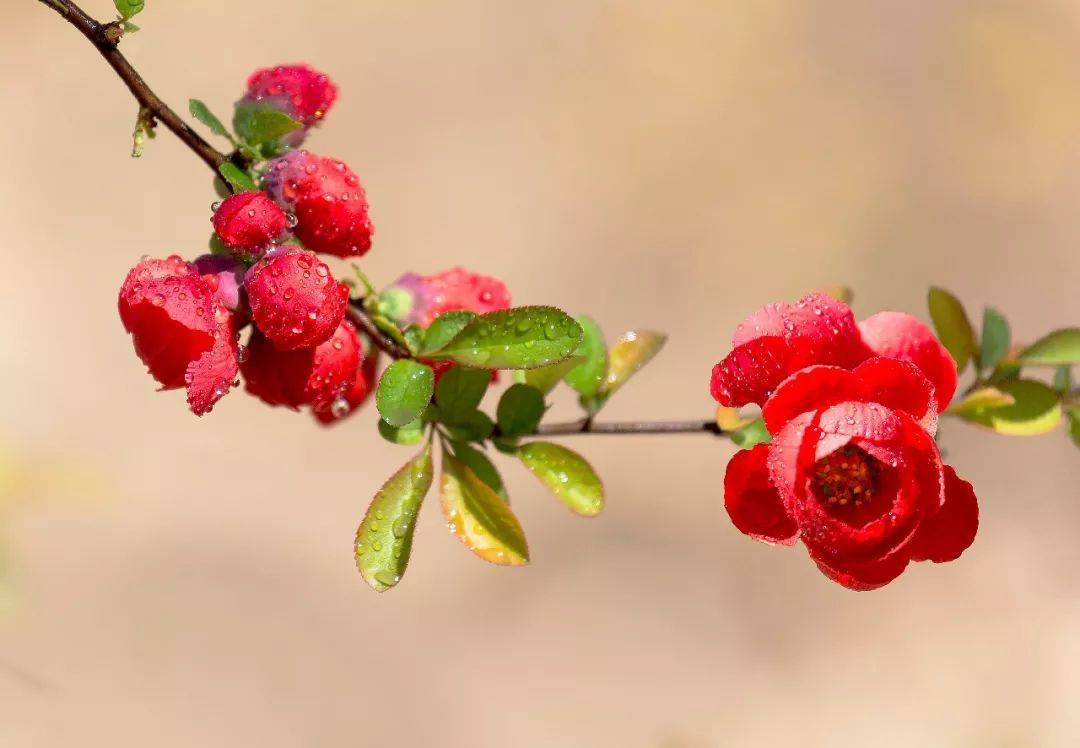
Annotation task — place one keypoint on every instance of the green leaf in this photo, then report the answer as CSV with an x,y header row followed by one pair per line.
x,y
952,325
995,339
479,518
201,112
129,8
520,409
443,329
981,399
217,247
1074,425
588,377
384,538
1057,348
260,123
237,178
750,435
414,338
459,391
475,427
404,391
522,338
1035,409
482,467
1063,381
634,349
567,474
546,377
411,433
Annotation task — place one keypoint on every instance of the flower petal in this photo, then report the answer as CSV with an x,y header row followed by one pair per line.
x,y
948,533
900,385
210,376
751,372
901,336
812,388
751,501
863,575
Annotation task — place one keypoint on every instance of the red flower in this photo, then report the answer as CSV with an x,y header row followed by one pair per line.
x,y
310,376
294,299
778,340
419,299
249,222
181,331
854,472
300,91
326,197
363,384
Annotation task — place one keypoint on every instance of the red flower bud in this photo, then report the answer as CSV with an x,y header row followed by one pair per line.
x,y
311,376
326,199
363,384
419,299
294,299
299,90
181,331
249,222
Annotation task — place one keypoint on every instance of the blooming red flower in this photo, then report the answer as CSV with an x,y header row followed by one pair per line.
x,y
309,376
854,472
295,301
780,339
249,222
419,299
299,90
181,331
327,200
363,384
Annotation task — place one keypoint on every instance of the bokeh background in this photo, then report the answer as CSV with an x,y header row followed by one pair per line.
x,y
658,164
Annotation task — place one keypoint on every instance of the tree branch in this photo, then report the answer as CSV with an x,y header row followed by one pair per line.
x,y
105,38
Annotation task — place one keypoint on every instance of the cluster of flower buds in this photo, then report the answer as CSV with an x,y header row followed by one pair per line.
x,y
852,468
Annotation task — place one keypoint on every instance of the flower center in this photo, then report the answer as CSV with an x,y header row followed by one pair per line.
x,y
846,478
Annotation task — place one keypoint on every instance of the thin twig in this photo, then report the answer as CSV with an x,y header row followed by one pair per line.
x,y
359,317
588,426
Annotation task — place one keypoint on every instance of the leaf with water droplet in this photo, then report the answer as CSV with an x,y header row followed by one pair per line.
x,y
443,329
411,433
479,518
483,467
546,377
260,124
201,112
414,338
952,325
626,358
404,391
589,375
569,476
459,392
384,538
1035,409
237,178
501,340
520,409
1057,348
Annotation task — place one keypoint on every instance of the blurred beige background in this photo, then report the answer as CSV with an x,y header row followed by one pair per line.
x,y
667,164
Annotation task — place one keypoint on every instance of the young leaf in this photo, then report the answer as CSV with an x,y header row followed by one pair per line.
x,y
952,325
414,338
201,112
1074,425
546,377
520,410
634,349
236,177
567,474
384,538
588,377
995,339
484,469
129,8
1063,381
1057,348
260,124
460,391
730,419
522,338
404,391
981,399
1035,409
443,329
750,435
479,518
411,433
